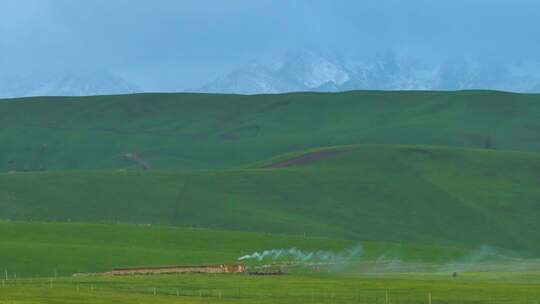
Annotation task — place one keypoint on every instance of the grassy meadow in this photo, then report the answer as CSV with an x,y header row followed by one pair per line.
x,y
42,256
312,288
61,249
418,194
400,189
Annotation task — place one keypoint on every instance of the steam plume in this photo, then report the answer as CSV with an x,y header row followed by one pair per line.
x,y
299,255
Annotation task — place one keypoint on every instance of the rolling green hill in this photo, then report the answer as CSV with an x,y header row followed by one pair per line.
x,y
412,194
440,168
165,131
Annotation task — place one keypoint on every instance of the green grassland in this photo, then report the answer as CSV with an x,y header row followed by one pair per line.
x,y
61,249
412,194
39,257
422,180
315,288
42,249
210,131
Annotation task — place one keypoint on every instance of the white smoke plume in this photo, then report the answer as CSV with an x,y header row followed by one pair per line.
x,y
299,255
484,258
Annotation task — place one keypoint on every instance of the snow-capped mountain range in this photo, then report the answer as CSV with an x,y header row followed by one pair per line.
x,y
303,70
311,71
79,83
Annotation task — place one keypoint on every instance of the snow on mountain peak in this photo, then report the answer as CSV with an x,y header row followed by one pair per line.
x,y
65,83
311,71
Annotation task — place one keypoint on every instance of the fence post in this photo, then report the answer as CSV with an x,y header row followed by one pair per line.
x,y
50,283
429,297
155,291
386,300
177,292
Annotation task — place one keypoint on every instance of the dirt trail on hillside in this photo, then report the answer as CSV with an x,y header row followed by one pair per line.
x,y
139,160
308,158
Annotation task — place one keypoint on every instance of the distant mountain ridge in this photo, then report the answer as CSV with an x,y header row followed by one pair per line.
x,y
311,71
299,71
64,83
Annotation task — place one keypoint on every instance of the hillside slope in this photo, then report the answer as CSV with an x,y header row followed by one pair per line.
x,y
419,194
164,131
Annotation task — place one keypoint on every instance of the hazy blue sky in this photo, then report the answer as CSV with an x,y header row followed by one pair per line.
x,y
173,44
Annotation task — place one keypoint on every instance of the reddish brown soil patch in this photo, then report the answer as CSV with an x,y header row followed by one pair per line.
x,y
308,158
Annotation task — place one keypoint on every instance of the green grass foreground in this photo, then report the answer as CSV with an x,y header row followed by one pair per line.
x,y
315,288
61,249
